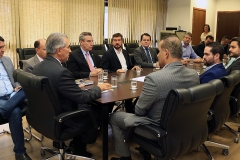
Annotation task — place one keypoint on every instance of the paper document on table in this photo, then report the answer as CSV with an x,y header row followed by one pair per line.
x,y
139,79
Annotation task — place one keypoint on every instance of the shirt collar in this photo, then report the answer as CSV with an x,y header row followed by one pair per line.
x,y
39,58
117,50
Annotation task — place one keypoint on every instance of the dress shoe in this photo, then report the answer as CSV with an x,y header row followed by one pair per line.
x,y
23,156
121,158
73,149
57,145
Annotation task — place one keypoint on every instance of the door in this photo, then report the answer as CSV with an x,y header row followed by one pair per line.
x,y
228,23
199,17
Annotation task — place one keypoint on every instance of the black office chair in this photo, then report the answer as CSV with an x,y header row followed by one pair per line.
x,y
183,125
220,110
130,47
73,47
44,112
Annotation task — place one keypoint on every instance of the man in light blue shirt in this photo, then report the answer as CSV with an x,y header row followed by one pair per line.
x,y
11,96
188,52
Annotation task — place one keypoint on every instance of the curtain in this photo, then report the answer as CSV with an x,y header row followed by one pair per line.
x,y
133,18
9,28
25,21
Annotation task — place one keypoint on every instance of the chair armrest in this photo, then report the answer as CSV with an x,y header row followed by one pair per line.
x,y
67,115
233,98
153,129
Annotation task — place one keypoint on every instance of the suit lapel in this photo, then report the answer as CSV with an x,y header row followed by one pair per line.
x,y
143,52
115,56
36,60
82,57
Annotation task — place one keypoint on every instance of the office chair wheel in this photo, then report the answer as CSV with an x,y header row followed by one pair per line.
x,y
225,152
236,140
42,152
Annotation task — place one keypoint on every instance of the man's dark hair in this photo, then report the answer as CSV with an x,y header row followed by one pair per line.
x,y
236,39
117,35
216,48
36,44
226,37
207,26
173,44
1,39
145,34
210,37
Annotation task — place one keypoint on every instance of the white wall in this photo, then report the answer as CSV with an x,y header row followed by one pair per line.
x,y
180,12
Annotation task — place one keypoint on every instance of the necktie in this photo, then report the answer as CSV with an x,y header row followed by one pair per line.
x,y
89,62
148,56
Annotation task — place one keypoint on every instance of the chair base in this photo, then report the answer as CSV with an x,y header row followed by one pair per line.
x,y
205,149
225,148
28,130
5,131
236,139
64,156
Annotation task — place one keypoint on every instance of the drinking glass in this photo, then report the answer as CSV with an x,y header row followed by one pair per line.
x,y
138,70
224,61
198,69
133,85
100,78
105,74
114,81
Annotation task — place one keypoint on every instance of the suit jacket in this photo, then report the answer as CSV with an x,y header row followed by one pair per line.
x,y
78,65
8,65
216,72
30,63
111,62
200,49
71,97
234,66
141,58
156,87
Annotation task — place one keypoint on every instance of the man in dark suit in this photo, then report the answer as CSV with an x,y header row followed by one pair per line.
x,y
117,59
213,55
39,46
201,46
235,52
11,96
145,55
149,106
83,62
71,96
225,43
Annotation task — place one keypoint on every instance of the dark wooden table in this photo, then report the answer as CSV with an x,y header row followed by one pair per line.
x,y
122,92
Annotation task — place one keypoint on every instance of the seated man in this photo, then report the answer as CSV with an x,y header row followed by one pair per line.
x,y
145,55
235,53
83,62
11,96
201,46
149,106
187,50
72,97
39,46
117,60
225,43
213,54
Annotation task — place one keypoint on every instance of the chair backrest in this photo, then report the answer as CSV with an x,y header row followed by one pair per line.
x,y
28,53
220,106
234,101
19,52
131,47
98,49
184,120
43,103
73,47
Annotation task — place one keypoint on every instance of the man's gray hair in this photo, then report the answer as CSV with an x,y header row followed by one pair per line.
x,y
54,41
83,34
173,44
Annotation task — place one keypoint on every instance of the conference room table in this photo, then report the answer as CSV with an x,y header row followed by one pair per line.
x,y
122,92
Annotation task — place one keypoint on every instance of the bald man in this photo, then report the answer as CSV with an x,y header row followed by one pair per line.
x,y
39,46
